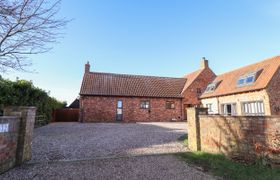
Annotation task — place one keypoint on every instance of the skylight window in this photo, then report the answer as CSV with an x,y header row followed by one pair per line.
x,y
241,81
211,87
248,79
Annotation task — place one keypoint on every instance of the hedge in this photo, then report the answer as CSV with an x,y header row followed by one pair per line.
x,y
24,93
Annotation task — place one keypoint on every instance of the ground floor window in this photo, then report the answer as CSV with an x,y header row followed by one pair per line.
x,y
145,104
254,108
228,109
209,106
170,105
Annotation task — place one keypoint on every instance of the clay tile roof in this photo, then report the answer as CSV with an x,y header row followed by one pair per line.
x,y
108,84
228,81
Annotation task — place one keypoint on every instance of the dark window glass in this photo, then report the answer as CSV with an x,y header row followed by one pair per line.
x,y
198,91
247,79
145,105
241,81
250,79
170,105
229,109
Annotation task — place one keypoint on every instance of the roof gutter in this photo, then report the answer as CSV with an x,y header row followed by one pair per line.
x,y
229,94
177,97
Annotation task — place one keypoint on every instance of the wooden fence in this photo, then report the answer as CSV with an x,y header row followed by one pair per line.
x,y
66,115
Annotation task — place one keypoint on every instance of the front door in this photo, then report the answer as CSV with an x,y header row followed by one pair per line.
x,y
119,110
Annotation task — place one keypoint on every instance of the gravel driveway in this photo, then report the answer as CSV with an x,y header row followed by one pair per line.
x,y
106,151
60,141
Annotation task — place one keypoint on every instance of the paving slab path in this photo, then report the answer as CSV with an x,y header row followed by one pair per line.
x,y
107,151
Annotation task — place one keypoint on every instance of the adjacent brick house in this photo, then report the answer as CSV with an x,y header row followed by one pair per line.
x,y
108,97
250,90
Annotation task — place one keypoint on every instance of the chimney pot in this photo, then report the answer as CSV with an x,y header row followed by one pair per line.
x,y
87,67
204,63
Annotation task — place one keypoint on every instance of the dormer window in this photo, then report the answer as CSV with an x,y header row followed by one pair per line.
x,y
211,87
247,79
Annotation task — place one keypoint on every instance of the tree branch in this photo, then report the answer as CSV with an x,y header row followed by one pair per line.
x,y
27,27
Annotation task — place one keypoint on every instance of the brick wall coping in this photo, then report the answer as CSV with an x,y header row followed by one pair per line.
x,y
21,107
8,117
229,117
129,96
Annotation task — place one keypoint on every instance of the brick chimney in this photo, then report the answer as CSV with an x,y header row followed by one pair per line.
x,y
204,63
87,67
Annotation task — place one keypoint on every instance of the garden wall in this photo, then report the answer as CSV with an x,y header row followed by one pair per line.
x,y
16,129
9,127
237,136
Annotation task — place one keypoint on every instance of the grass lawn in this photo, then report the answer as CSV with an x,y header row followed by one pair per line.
x,y
223,167
219,165
184,139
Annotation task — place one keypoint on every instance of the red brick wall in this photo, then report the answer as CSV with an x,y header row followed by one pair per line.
x,y
16,138
190,94
239,136
274,94
103,109
8,143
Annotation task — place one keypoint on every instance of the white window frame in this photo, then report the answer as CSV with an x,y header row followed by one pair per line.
x,y
211,87
253,108
245,77
145,104
233,109
210,107
169,105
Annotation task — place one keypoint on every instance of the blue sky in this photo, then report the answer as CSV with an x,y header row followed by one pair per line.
x,y
155,37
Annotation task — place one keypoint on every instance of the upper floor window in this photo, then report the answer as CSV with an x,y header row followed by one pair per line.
x,y
247,79
145,104
170,105
198,91
211,87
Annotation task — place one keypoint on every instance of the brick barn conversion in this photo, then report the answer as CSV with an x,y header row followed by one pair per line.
x,y
108,97
252,90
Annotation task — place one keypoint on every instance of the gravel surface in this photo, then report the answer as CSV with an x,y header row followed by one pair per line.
x,y
134,168
107,151
60,141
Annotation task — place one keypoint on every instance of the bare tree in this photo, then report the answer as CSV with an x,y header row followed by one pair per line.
x,y
27,27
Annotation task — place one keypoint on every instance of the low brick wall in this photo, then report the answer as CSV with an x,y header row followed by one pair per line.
x,y
239,136
16,130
